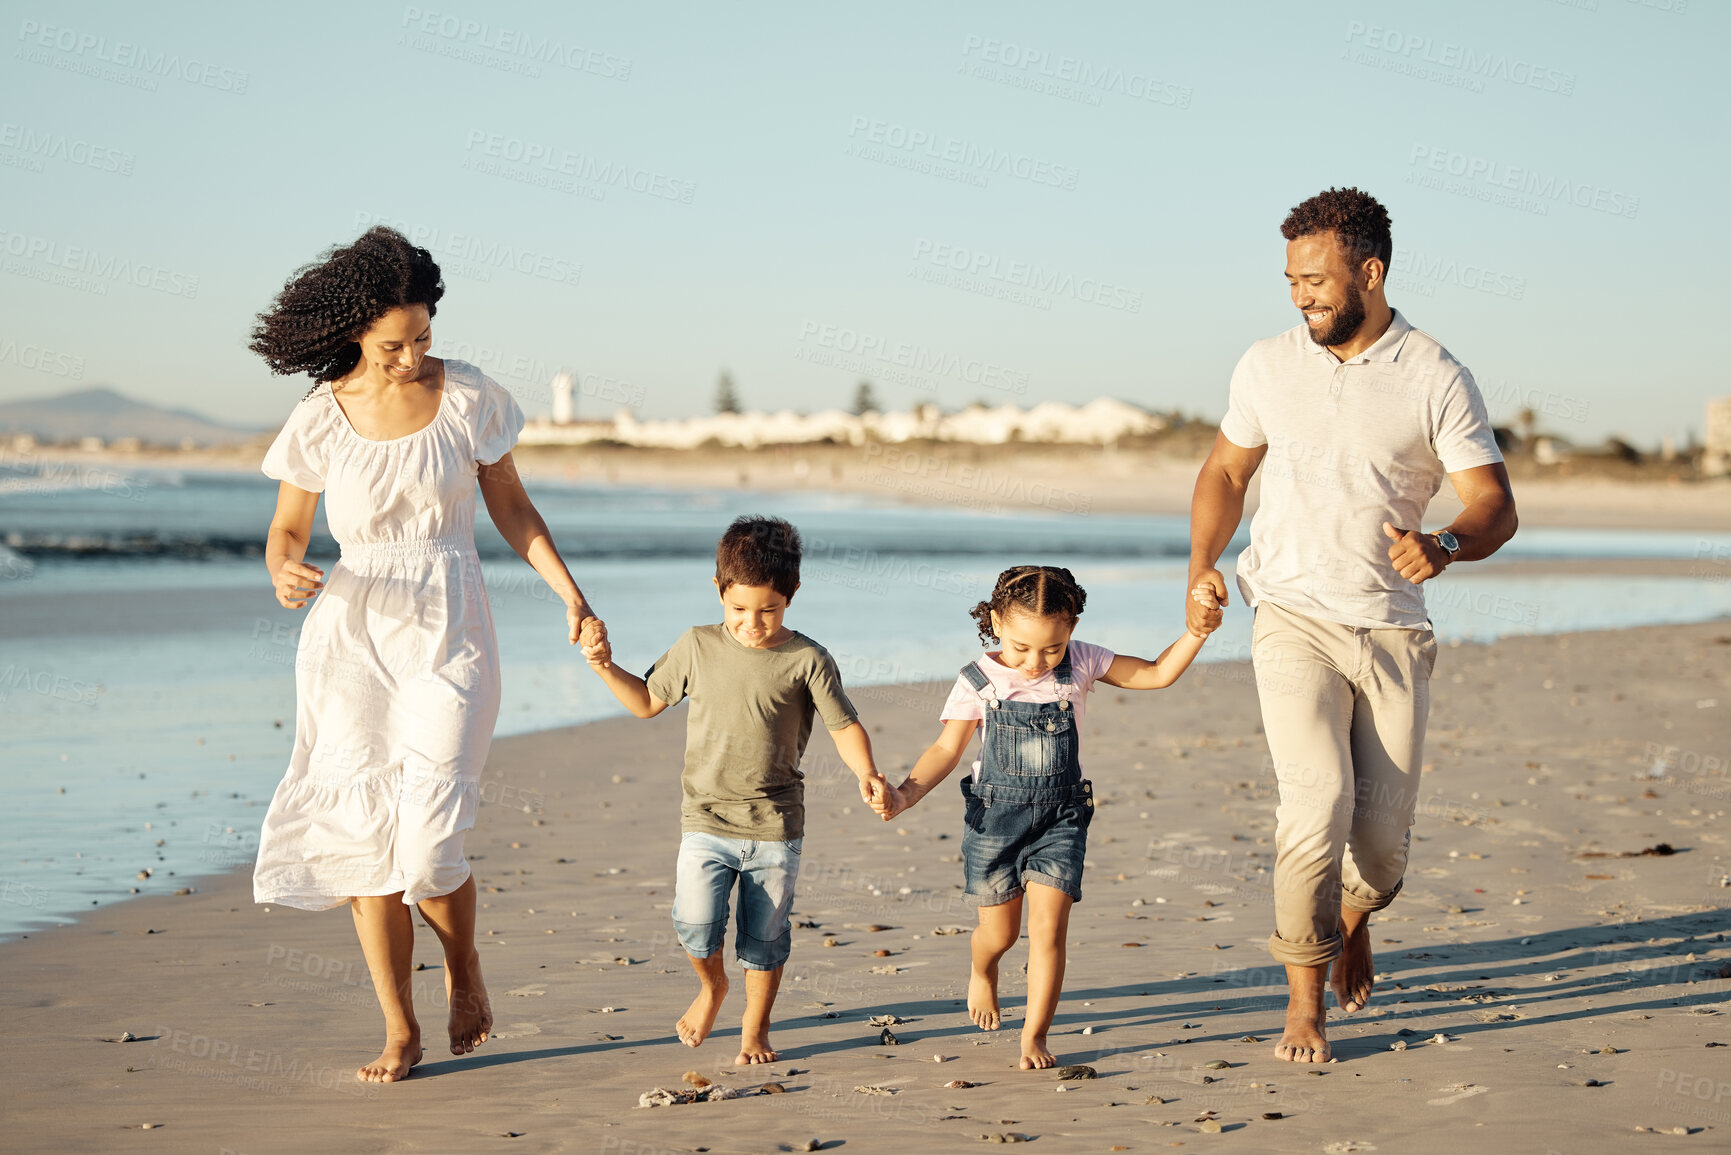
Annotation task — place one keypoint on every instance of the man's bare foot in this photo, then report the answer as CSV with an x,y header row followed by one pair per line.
x,y
983,1000
754,1048
394,1061
1035,1056
471,1014
1353,976
699,1018
1305,1039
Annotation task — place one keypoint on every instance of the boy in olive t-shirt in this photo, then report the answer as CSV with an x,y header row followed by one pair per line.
x,y
754,687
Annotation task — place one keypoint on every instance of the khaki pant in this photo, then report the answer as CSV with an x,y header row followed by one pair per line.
x,y
1344,710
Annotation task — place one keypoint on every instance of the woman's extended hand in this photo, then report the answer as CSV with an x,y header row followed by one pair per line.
x,y
592,635
297,583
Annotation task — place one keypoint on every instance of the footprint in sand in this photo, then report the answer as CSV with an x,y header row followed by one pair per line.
x,y
518,1031
1461,1091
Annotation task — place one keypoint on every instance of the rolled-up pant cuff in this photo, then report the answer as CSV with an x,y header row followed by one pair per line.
x,y
1304,954
757,954
1371,901
700,939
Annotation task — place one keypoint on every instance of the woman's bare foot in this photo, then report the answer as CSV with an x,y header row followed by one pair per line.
x,y
1354,974
471,1013
394,1061
754,1048
699,1018
1035,1056
983,1000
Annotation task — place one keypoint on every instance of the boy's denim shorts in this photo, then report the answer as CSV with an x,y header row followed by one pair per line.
x,y
709,866
1012,842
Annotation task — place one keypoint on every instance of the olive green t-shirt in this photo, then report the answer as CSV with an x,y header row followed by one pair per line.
x,y
751,713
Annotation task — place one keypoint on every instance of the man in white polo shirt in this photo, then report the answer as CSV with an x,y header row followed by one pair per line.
x,y
1355,417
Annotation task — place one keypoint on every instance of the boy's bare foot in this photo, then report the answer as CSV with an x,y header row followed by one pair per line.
x,y
1353,976
983,1000
1035,1056
394,1061
471,1013
1305,1039
699,1018
754,1048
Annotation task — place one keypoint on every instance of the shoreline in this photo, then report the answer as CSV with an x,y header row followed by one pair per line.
x,y
1521,951
1055,479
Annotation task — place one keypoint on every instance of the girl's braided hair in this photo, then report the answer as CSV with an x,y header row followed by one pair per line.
x,y
315,324
1044,590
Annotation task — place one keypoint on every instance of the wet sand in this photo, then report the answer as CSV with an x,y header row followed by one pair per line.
x,y
1542,984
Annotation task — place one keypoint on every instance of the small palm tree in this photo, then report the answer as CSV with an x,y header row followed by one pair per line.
x,y
726,396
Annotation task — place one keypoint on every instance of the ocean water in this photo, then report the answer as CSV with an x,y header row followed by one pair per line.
x,y
147,674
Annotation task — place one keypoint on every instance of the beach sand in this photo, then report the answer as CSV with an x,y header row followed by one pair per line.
x,y
1553,988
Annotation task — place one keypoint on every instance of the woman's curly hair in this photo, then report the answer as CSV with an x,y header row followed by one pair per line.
x,y
1044,590
315,324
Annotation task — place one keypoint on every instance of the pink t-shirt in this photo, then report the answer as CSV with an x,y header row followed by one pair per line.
x,y
1088,664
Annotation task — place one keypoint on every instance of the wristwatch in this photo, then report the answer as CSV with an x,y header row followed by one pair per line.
x,y
1450,543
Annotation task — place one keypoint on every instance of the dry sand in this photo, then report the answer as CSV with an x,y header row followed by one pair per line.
x,y
1545,1000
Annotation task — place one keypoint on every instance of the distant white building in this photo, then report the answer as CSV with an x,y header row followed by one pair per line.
x,y
564,395
1716,458
1100,422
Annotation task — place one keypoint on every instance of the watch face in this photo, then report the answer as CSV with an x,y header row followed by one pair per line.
x,y
1449,542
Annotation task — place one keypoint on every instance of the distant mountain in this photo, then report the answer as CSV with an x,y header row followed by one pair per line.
x,y
103,412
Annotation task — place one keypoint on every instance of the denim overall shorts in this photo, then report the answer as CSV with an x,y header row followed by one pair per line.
x,y
1027,806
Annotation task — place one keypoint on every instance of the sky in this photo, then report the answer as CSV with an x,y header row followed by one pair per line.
x,y
958,202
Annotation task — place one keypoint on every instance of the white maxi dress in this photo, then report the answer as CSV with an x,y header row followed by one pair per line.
x,y
397,672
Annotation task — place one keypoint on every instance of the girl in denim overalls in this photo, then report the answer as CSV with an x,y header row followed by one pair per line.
x,y
1027,804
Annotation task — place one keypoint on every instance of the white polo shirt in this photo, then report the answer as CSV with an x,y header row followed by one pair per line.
x,y
1350,445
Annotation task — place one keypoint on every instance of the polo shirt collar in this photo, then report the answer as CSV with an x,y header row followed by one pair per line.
x,y
1387,346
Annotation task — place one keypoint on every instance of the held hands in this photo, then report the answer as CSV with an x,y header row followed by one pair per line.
x,y
590,632
1203,613
876,791
1416,556
297,583
895,800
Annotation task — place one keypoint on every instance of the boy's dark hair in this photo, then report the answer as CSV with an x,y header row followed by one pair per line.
x,y
1358,221
1045,590
759,551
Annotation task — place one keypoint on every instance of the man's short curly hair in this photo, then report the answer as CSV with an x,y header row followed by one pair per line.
x,y
315,324
1358,221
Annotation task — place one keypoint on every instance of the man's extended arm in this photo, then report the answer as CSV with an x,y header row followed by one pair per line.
x,y
1216,507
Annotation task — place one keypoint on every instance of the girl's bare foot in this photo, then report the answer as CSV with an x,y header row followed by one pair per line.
x,y
754,1048
471,1013
983,1000
699,1018
1354,974
1035,1056
394,1061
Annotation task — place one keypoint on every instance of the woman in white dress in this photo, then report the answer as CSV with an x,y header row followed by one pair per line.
x,y
397,674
